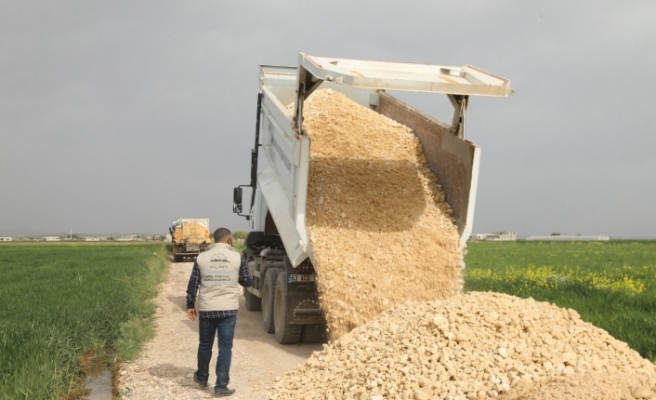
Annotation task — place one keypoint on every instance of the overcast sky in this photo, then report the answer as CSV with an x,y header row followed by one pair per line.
x,y
122,116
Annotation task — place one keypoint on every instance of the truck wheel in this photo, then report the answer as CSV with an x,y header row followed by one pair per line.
x,y
268,293
285,333
316,333
251,301
174,252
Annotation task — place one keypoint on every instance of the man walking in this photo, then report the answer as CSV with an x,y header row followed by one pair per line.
x,y
216,276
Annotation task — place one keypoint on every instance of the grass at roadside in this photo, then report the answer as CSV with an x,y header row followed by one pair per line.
x,y
611,284
60,301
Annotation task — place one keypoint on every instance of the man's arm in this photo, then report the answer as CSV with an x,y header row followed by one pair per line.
x,y
192,289
245,277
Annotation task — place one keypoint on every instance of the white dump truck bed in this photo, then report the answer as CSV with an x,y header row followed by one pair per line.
x,y
279,203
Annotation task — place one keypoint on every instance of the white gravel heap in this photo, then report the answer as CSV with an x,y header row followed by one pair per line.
x,y
471,346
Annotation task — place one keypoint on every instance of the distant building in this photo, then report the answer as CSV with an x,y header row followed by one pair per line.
x,y
6,239
569,238
51,238
494,236
91,239
129,238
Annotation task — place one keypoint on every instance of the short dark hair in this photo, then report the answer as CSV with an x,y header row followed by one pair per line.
x,y
221,234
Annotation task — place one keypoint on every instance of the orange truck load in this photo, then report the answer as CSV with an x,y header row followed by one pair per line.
x,y
189,237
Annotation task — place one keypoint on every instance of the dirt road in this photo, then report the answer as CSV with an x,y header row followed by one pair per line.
x,y
166,366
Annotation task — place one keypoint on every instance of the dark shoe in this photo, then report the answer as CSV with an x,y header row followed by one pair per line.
x,y
200,383
223,392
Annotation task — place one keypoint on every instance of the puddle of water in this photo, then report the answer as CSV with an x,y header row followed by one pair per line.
x,y
100,387
98,368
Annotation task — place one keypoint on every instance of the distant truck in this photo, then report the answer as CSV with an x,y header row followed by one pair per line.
x,y
189,237
277,246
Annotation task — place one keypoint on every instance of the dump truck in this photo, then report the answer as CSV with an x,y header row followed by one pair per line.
x,y
279,252
189,237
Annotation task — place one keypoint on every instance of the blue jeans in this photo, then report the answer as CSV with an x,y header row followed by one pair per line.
x,y
207,329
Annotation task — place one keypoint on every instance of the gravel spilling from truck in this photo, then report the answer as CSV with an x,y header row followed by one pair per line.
x,y
473,346
389,276
380,227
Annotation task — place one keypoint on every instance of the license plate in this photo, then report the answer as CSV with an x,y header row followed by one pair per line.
x,y
300,278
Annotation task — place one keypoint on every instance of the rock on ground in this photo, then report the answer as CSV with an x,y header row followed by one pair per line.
x,y
471,346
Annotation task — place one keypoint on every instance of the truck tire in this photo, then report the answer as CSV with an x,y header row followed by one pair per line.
x,y
251,301
268,296
285,333
315,333
174,252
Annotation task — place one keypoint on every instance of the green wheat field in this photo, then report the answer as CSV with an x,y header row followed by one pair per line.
x,y
60,301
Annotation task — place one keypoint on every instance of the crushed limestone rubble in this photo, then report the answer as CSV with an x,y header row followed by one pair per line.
x,y
472,346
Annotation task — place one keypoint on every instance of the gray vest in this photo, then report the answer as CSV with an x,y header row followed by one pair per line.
x,y
219,278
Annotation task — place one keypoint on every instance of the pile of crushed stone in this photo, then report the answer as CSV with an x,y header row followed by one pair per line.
x,y
588,386
381,230
473,346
